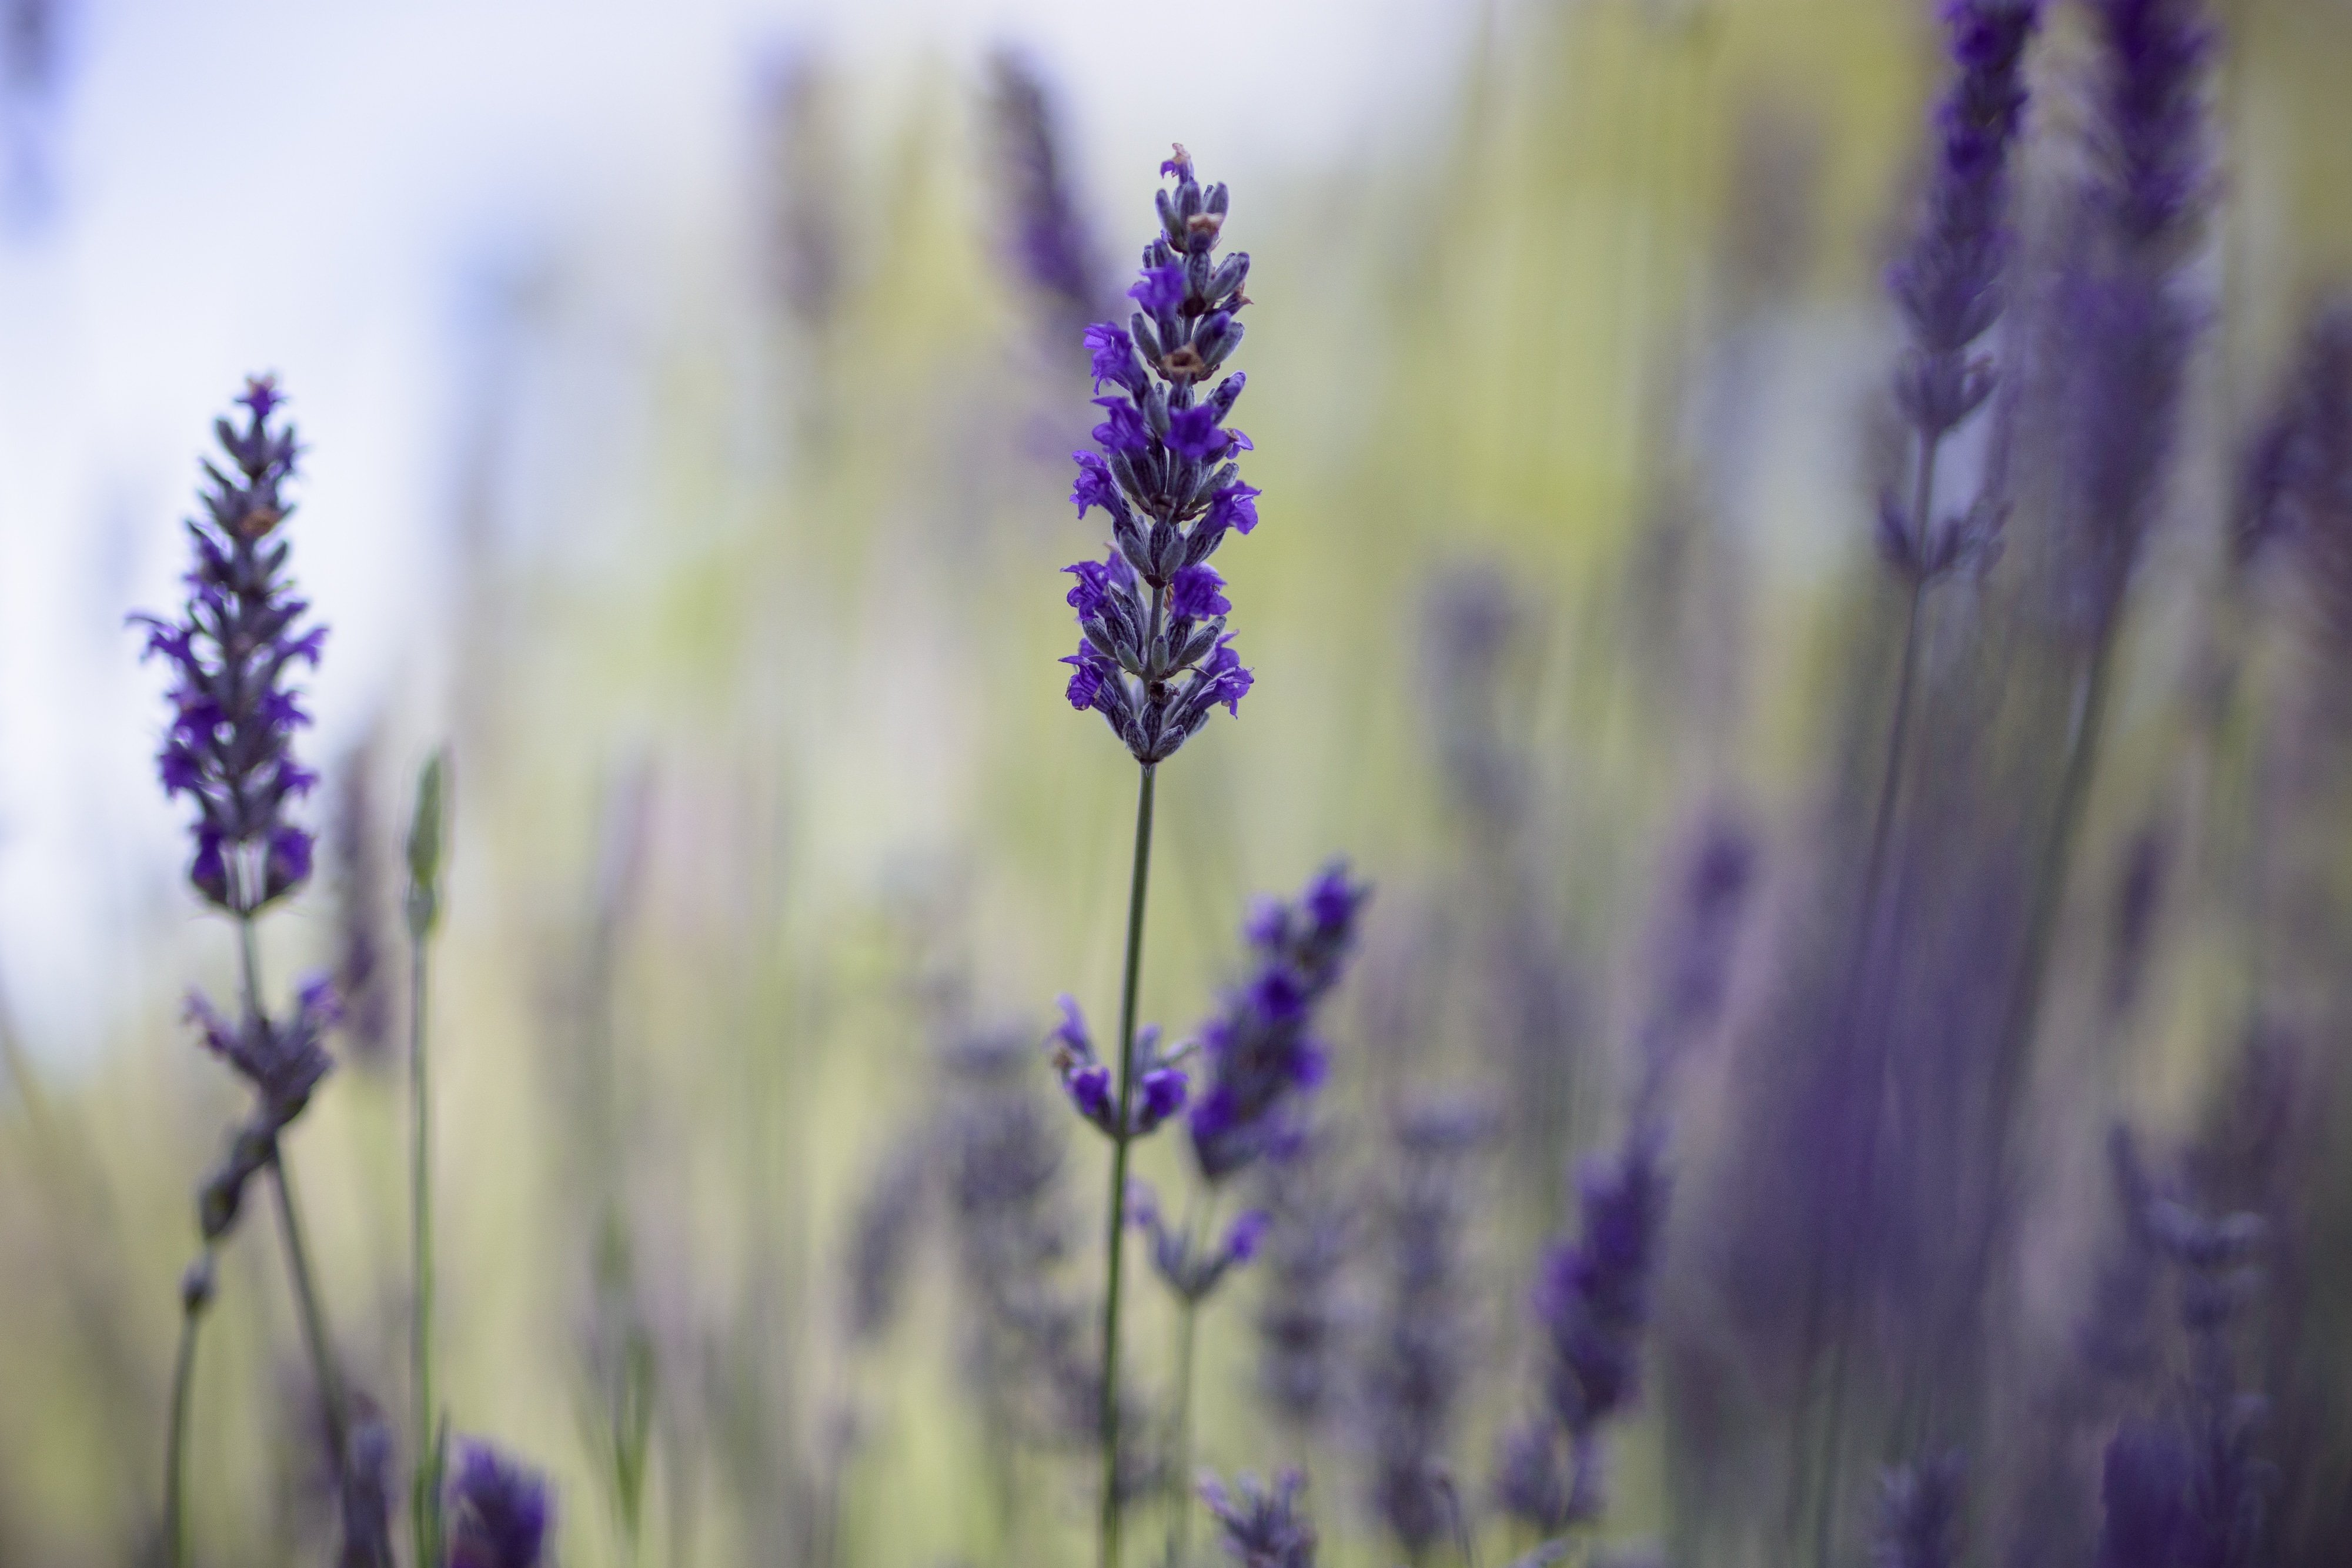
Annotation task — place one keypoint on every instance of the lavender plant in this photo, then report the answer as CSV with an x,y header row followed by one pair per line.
x,y
1155,658
1262,1526
1309,1229
233,648
1418,1361
1046,234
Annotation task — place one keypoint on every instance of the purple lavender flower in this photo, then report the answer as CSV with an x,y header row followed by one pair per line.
x,y
1048,240
232,649
2299,484
1948,285
1419,1366
498,1511
1299,1316
1261,1053
1591,1302
1154,656
1920,1514
1094,1091
2127,329
2144,1487
882,1242
1262,1527
1192,1274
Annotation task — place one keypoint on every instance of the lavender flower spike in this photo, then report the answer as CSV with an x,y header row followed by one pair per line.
x,y
233,646
1048,239
1263,1526
1261,1053
498,1513
1948,285
1154,656
1591,1302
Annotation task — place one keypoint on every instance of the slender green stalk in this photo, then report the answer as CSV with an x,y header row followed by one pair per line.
x,y
1119,1140
425,839
298,1253
1199,1220
314,1319
192,1303
2025,998
423,1485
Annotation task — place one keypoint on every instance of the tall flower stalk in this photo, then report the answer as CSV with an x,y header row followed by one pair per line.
x,y
1154,657
2127,330
232,647
1950,288
426,836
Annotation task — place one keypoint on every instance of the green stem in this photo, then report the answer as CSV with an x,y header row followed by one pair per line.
x,y
314,1320
289,1224
1199,1220
175,1452
425,1484
1120,1141
2024,1012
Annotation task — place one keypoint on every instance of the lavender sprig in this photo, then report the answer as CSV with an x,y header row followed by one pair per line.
x,y
1188,1264
1591,1304
1261,1526
1047,238
1154,657
1420,1354
498,1510
1948,285
1260,1049
233,649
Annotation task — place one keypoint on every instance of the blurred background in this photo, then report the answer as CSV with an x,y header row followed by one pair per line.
x,y
688,417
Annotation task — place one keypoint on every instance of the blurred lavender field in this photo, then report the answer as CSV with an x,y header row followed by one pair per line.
x,y
1750,936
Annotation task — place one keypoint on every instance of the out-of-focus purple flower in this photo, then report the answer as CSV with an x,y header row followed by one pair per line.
x,y
2299,485
283,1062
233,649
1048,240
1300,1318
1591,1304
1155,656
1920,1509
2144,1490
1260,1051
1419,1355
1697,938
1262,1527
2151,132
2126,330
882,1240
804,223
1192,1275
498,1511
1087,1081
1948,284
